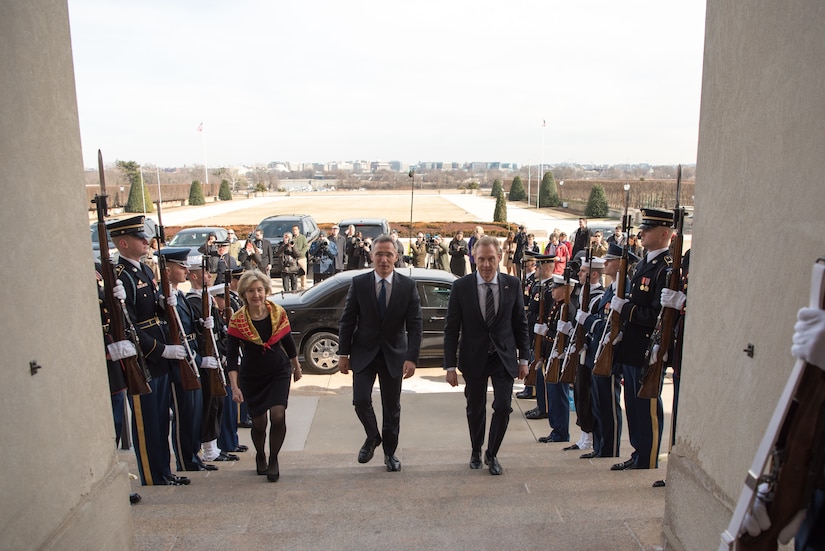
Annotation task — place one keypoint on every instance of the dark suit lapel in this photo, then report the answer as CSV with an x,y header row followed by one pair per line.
x,y
502,294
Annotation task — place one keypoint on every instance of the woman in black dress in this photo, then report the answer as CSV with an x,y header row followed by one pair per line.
x,y
458,252
260,329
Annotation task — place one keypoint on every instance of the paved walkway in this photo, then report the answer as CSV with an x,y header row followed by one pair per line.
x,y
325,499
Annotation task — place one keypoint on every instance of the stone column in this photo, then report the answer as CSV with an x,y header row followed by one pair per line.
x,y
62,485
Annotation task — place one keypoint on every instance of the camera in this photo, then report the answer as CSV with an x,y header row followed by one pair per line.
x,y
432,246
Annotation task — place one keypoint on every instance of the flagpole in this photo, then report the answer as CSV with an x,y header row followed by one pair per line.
x,y
541,172
142,192
159,197
205,169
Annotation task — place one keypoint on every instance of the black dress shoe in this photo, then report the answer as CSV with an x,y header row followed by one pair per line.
x,y
240,449
475,460
368,449
589,455
392,463
207,467
536,414
526,394
273,472
246,423
623,466
260,463
134,498
227,457
493,465
660,484
174,480
573,447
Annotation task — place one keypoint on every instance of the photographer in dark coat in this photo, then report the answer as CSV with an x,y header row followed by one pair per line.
x,y
289,263
322,254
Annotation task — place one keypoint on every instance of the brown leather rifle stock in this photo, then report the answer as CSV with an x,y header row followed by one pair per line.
x,y
604,358
217,383
662,339
227,302
554,369
134,368
572,361
189,376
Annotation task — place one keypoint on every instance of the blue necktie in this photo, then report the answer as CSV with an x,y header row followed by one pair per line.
x,y
382,298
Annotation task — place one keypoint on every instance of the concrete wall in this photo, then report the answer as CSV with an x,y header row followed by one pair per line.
x,y
760,211
62,487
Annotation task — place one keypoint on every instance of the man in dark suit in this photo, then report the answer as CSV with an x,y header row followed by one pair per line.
x,y
264,249
486,310
380,335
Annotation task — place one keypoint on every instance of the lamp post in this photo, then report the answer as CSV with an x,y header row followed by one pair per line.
x,y
411,174
561,186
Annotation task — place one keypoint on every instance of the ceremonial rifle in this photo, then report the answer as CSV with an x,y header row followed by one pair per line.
x,y
554,368
189,376
662,338
603,365
793,443
571,365
227,298
538,339
134,367
217,382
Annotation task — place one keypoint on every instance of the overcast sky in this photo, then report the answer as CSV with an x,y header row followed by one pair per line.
x,y
447,80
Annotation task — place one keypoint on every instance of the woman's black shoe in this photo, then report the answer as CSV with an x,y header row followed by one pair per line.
x,y
260,463
272,472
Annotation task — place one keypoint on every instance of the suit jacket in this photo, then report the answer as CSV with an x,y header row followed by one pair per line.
x,y
508,332
363,333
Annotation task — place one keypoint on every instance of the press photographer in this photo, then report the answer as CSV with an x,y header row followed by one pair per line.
x,y
357,252
322,254
289,262
418,250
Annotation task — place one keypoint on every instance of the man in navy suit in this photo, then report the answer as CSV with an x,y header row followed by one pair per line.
x,y
486,310
380,335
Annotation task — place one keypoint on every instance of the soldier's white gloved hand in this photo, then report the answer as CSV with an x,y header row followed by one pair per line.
x,y
581,316
756,520
174,352
208,322
672,299
618,338
617,303
540,329
121,349
564,327
554,354
118,291
209,362
572,350
172,298
809,336
653,354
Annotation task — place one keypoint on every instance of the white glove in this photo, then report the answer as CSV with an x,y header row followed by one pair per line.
x,y
174,352
121,349
118,291
172,298
672,299
572,350
554,354
756,520
606,338
209,362
564,327
809,336
581,316
540,329
617,303
208,323
655,353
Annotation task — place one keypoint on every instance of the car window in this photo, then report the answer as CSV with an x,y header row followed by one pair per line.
x,y
275,229
367,230
434,295
189,239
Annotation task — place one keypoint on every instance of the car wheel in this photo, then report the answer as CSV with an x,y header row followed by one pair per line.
x,y
321,353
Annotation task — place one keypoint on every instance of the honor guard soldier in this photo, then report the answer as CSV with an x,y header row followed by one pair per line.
x,y
639,312
607,431
150,419
225,261
536,284
527,284
590,273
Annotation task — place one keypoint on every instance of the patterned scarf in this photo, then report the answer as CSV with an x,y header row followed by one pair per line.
x,y
241,326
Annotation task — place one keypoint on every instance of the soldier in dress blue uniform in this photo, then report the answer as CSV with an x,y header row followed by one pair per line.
x,y
536,284
527,284
639,312
150,419
225,261
607,433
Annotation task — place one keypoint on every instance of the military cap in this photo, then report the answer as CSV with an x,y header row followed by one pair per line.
x,y
559,281
178,255
596,263
221,243
656,218
135,226
217,290
614,252
238,271
530,255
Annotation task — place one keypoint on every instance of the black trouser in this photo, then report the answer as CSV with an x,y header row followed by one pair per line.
x,y
475,391
362,383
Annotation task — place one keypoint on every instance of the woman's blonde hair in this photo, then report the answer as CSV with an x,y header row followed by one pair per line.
x,y
250,277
